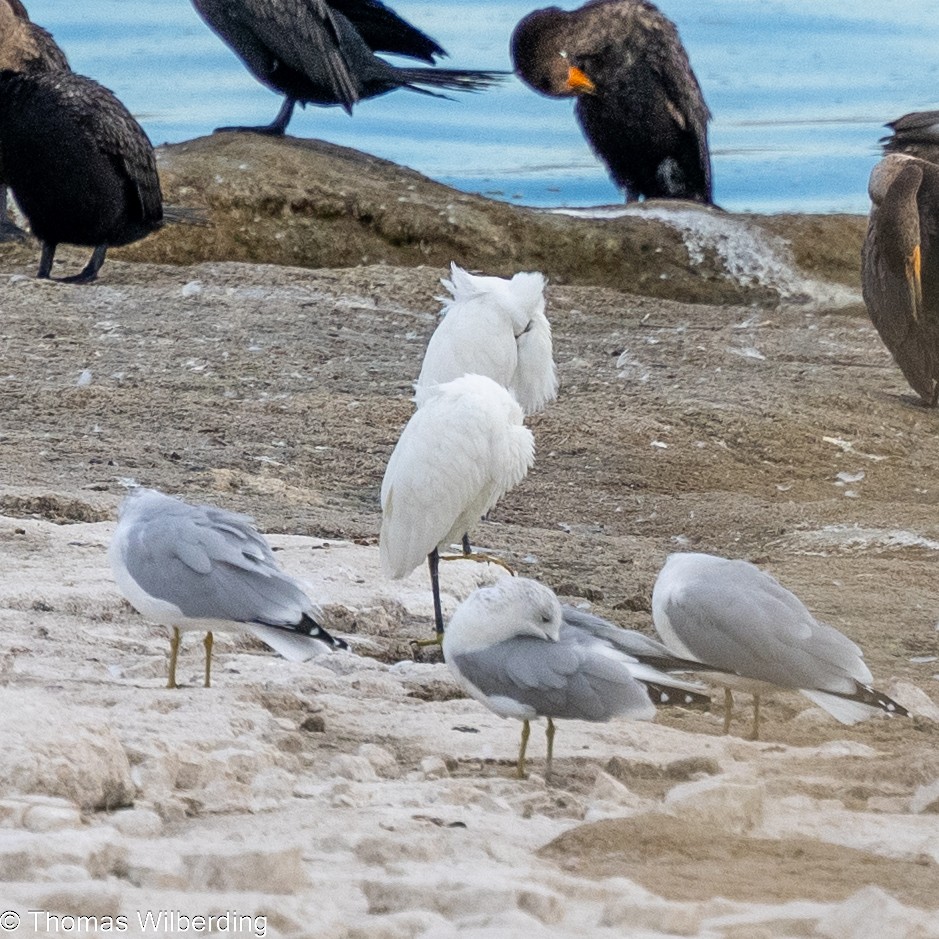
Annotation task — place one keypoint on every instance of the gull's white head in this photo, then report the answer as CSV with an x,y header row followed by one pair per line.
x,y
512,607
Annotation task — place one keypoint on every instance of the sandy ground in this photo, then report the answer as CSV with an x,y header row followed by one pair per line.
x,y
360,795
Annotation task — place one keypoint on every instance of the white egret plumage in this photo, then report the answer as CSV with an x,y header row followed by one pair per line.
x,y
516,649
199,567
737,618
460,452
495,327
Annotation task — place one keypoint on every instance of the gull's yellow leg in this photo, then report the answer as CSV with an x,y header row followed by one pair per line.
x,y
208,642
174,654
520,768
549,733
755,734
728,709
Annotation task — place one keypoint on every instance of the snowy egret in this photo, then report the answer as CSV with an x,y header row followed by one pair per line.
x,y
900,263
514,648
638,101
498,328
323,52
460,452
733,616
198,567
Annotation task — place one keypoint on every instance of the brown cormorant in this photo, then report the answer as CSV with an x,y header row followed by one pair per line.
x,y
24,46
323,52
638,101
900,266
80,167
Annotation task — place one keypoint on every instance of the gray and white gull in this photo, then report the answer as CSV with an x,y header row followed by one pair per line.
x,y
199,567
516,649
733,616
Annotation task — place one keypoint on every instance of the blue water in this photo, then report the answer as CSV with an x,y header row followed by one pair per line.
x,y
799,94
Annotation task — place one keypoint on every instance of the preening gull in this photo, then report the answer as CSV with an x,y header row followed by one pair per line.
x,y
460,452
514,648
199,567
731,615
495,327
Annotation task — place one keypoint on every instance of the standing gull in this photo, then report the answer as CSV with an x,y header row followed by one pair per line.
x,y
514,648
638,101
495,327
323,52
461,451
198,567
733,616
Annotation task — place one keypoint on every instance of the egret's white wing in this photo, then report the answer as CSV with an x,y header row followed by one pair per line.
x,y
455,458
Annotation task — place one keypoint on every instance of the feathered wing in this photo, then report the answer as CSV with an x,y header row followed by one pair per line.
x,y
384,31
562,679
897,269
740,619
471,339
210,564
454,460
302,35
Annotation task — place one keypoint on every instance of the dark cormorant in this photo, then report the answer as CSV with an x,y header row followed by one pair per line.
x,y
24,47
638,101
80,167
916,134
900,265
323,52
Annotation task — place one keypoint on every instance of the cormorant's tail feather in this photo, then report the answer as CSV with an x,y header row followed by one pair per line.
x,y
449,79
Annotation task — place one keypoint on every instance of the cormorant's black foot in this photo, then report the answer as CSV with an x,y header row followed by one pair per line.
x,y
85,277
268,130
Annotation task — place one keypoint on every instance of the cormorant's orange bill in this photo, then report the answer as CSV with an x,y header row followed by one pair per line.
x,y
913,266
578,81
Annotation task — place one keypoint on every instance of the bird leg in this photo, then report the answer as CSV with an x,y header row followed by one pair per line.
x,y
433,562
728,709
480,557
91,269
755,733
45,260
520,766
174,654
549,733
208,642
277,127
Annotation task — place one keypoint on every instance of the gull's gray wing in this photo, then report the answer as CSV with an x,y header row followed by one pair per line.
x,y
749,624
212,564
642,647
565,679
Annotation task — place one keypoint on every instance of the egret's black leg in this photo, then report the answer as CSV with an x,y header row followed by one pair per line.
x,y
467,547
91,268
433,562
277,127
45,260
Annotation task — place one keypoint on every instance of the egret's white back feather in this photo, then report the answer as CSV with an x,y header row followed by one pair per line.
x,y
497,328
461,451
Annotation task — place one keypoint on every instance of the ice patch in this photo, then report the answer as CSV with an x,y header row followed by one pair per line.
x,y
750,256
